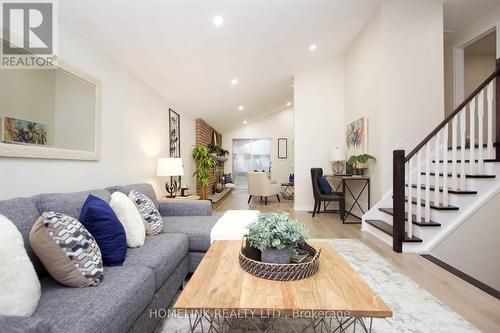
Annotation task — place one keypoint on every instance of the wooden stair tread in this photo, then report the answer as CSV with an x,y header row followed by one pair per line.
x,y
450,190
387,228
467,146
439,206
390,211
487,160
458,175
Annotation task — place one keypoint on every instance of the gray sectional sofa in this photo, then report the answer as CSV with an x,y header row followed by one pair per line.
x,y
124,301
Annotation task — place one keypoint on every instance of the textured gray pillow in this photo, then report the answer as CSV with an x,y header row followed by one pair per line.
x,y
67,250
150,215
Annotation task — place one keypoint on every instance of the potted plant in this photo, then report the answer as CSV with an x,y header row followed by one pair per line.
x,y
203,165
217,152
360,163
276,236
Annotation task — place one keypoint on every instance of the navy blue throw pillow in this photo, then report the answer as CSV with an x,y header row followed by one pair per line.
x,y
102,223
324,185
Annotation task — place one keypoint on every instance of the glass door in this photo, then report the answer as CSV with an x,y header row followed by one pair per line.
x,y
250,155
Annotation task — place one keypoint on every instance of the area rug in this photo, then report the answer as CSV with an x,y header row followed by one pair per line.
x,y
414,309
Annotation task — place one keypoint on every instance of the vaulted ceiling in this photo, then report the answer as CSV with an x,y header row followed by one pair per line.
x,y
175,47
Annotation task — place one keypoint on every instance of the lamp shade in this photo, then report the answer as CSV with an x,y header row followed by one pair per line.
x,y
337,154
169,166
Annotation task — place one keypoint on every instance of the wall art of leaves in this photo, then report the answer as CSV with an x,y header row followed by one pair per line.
x,y
24,131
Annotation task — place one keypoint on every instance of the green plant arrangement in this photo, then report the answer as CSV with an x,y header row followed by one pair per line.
x,y
276,235
359,162
217,150
203,164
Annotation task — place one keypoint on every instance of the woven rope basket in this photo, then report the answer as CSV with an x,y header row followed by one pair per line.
x,y
281,272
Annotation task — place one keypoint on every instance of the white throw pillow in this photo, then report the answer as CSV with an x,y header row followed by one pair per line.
x,y
19,284
129,216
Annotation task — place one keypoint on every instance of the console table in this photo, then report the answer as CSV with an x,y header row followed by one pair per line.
x,y
344,181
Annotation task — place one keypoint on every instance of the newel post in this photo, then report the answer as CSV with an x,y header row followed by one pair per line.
x,y
398,200
497,112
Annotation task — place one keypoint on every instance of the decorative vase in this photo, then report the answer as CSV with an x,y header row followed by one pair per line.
x,y
219,187
275,256
360,171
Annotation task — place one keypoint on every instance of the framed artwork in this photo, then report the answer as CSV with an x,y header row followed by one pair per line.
x,y
174,129
357,137
282,148
26,132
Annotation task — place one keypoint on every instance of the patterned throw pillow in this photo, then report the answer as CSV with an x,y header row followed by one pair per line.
x,y
151,216
67,250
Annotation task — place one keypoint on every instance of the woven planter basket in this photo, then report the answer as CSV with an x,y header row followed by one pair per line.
x,y
281,272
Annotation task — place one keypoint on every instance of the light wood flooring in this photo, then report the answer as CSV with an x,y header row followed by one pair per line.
x,y
481,309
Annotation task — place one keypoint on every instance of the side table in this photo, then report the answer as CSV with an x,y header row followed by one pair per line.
x,y
288,190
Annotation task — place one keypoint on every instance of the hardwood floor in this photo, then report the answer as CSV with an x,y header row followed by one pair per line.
x,y
478,307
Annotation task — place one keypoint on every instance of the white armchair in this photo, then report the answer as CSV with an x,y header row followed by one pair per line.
x,y
259,185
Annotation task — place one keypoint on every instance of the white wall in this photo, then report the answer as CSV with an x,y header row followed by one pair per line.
x,y
413,77
489,21
134,133
473,247
363,94
277,125
394,76
319,124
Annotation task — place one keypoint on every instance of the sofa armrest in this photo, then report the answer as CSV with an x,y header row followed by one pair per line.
x,y
186,208
12,324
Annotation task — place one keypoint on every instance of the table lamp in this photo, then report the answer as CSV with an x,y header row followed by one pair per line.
x,y
337,156
170,167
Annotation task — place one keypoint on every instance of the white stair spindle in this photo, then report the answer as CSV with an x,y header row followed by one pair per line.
x,y
463,114
410,195
454,130
472,136
480,114
427,182
436,168
489,105
419,189
445,166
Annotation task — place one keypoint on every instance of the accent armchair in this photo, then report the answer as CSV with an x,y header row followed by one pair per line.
x,y
260,185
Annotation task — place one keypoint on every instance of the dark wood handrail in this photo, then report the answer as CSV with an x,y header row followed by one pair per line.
x,y
453,114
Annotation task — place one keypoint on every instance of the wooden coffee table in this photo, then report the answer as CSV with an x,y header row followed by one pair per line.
x,y
334,298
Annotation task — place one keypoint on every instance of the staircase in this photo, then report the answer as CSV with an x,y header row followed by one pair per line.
x,y
451,174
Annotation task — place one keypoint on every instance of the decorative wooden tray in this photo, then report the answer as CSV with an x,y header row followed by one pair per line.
x,y
280,272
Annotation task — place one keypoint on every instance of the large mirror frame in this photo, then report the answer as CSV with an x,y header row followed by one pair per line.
x,y
26,151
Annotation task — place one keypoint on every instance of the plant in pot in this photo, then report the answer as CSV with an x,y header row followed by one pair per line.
x,y
276,235
217,152
360,163
203,165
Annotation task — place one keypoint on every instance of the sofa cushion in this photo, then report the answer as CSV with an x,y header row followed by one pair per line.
x,y
100,220
150,215
67,250
23,212
130,218
197,229
146,189
19,285
113,306
69,203
161,253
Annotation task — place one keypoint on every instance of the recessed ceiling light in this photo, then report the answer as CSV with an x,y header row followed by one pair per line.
x,y
244,122
234,81
289,104
313,47
218,20
241,108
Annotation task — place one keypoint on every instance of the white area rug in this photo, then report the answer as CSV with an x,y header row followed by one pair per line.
x,y
414,309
